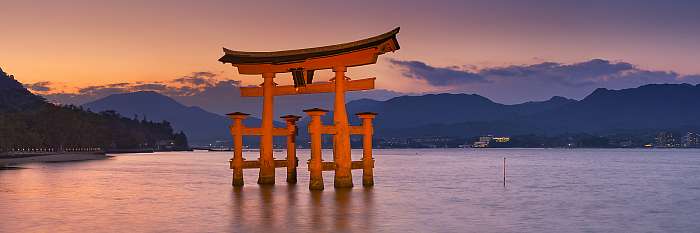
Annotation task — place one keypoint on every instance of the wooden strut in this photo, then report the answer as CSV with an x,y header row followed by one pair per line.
x,y
327,87
316,163
238,163
342,161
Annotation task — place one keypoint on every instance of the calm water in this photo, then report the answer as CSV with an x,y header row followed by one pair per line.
x,y
443,190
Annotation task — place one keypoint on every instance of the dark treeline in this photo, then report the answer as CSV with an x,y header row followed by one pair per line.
x,y
70,127
28,121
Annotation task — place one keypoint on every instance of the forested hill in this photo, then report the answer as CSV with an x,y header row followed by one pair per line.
x,y
14,97
28,121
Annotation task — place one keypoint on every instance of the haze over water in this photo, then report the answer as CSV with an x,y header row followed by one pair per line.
x,y
425,190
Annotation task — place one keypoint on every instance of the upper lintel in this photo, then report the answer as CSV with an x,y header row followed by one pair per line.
x,y
361,52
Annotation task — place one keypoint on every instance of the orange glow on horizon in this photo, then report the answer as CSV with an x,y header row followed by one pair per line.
x,y
88,43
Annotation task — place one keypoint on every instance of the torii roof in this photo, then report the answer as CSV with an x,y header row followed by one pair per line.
x,y
290,56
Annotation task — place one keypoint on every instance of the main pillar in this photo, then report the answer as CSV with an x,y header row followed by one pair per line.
x,y
315,163
267,163
342,156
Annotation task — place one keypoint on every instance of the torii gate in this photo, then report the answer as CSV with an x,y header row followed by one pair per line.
x,y
302,63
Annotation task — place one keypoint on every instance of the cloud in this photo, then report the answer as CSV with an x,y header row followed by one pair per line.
x,y
519,83
590,73
118,85
185,85
192,84
39,86
212,93
691,78
150,87
202,78
503,84
437,76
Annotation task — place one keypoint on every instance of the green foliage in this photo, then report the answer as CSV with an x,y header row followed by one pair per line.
x,y
28,121
180,140
50,126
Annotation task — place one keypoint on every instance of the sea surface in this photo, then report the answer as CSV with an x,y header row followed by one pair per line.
x,y
417,190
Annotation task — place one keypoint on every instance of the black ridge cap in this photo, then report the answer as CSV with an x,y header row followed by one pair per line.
x,y
315,110
237,114
287,56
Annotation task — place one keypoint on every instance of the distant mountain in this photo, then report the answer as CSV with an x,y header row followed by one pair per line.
x,y
27,121
649,107
529,108
410,111
443,109
227,98
444,115
653,106
199,125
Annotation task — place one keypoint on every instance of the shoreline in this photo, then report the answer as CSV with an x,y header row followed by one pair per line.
x,y
11,160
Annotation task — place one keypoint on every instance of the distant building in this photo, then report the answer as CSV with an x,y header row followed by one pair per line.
x,y
430,142
625,143
485,138
502,139
489,140
483,142
165,145
666,140
480,144
691,140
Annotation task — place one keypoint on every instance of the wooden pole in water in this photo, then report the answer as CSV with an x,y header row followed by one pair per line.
x,y
504,172
291,148
237,160
367,160
316,161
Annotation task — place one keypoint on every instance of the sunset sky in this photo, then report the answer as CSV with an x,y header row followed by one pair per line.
x,y
510,51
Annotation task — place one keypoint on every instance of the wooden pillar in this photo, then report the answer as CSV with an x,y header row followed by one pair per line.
x,y
315,163
367,160
236,163
267,163
341,150
291,148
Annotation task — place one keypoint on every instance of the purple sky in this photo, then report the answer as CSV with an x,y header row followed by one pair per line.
x,y
510,51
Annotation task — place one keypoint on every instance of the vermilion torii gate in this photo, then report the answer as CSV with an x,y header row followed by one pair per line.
x,y
302,63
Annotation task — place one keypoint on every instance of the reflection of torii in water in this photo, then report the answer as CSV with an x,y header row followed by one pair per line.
x,y
302,63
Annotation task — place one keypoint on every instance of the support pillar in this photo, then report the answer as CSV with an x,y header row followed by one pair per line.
x,y
236,162
267,163
315,163
367,160
291,148
341,150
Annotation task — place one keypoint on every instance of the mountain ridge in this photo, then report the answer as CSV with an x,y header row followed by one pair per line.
x,y
201,126
652,106
27,121
14,96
